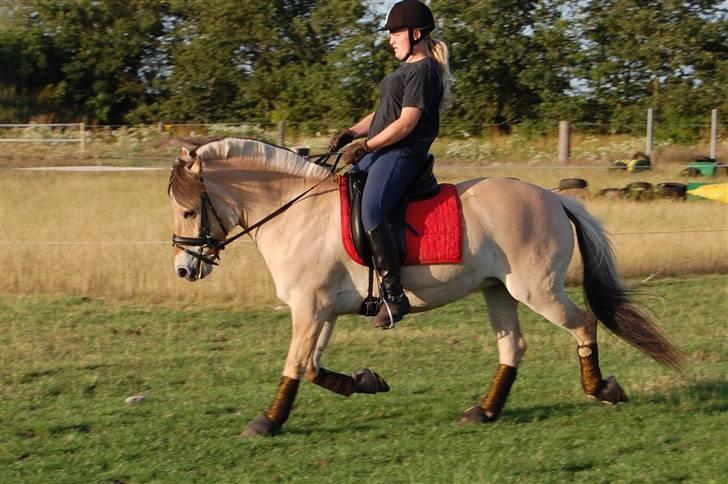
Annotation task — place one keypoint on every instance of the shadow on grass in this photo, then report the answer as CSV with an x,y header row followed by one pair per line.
x,y
706,397
321,429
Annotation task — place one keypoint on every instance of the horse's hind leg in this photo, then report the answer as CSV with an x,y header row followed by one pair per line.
x,y
502,310
560,310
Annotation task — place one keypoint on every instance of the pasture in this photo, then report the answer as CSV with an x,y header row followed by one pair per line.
x,y
68,363
91,312
107,235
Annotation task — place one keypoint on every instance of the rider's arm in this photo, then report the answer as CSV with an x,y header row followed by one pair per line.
x,y
361,129
398,130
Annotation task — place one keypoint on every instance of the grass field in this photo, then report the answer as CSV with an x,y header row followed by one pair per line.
x,y
91,312
68,363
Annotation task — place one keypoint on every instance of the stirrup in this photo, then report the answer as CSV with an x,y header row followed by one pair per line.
x,y
389,313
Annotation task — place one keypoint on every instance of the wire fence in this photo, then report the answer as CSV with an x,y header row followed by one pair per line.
x,y
154,242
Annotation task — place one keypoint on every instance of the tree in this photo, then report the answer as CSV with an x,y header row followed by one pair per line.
x,y
653,53
287,59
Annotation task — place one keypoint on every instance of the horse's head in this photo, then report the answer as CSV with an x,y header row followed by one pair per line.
x,y
198,229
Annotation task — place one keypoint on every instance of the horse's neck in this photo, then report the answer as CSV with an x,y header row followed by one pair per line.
x,y
257,193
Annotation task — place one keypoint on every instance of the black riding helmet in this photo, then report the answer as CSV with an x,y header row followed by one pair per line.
x,y
412,14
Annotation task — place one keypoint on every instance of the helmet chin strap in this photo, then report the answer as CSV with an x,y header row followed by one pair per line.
x,y
412,42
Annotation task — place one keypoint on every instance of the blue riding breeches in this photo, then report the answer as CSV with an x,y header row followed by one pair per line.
x,y
390,174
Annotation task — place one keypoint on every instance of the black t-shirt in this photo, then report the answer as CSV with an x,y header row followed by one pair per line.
x,y
415,84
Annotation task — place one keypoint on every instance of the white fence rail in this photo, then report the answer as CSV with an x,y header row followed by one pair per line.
x,y
80,127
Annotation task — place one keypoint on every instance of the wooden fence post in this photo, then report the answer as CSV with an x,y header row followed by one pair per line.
x,y
648,143
282,133
564,142
714,134
82,136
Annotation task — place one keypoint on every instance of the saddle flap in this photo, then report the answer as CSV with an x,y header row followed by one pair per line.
x,y
355,182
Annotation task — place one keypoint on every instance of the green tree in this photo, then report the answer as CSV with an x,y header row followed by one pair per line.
x,y
92,56
663,54
251,60
509,61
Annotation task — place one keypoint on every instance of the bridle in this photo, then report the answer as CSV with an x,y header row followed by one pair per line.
x,y
207,240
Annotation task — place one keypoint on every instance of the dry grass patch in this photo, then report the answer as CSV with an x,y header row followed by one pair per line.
x,y
106,235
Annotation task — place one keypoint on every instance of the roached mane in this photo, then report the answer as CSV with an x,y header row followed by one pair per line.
x,y
260,154
186,187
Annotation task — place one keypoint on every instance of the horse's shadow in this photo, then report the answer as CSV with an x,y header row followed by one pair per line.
x,y
708,397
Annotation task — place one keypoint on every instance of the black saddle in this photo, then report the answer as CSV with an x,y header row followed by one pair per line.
x,y
424,187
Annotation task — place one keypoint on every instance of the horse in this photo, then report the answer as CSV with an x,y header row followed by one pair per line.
x,y
516,248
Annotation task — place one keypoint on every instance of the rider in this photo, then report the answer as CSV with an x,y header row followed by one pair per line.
x,y
399,134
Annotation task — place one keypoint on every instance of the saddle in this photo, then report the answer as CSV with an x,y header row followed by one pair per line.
x,y
427,224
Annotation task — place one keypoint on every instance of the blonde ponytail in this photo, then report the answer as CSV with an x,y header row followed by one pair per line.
x,y
439,51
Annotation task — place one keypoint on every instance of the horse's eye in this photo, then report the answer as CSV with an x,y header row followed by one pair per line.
x,y
188,213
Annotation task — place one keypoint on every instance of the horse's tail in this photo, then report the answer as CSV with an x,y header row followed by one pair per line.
x,y
606,295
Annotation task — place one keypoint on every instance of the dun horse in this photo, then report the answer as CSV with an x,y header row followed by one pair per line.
x,y
517,244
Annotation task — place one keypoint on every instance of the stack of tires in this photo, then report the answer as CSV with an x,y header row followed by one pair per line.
x,y
574,187
641,191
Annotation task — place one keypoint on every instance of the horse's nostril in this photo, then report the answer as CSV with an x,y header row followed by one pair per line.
x,y
182,272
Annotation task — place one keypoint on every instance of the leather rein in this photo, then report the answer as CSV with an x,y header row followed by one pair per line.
x,y
207,240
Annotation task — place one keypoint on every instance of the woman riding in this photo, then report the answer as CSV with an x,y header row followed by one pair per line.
x,y
399,134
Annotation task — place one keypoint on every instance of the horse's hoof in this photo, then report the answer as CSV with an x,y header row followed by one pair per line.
x,y
475,415
366,381
260,425
612,393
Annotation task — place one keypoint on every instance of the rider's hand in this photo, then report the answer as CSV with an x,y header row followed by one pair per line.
x,y
340,139
353,153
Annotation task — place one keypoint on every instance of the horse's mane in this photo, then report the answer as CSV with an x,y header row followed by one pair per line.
x,y
259,154
186,187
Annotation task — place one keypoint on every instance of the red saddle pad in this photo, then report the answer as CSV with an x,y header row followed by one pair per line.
x,y
437,220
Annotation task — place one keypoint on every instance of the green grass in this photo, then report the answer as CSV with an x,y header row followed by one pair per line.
x,y
68,363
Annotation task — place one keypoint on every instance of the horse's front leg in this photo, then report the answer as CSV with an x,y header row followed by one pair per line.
x,y
308,316
361,381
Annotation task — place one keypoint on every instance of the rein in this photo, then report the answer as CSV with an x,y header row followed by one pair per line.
x,y
207,240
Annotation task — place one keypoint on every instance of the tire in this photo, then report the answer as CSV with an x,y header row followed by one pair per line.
x,y
690,172
609,193
677,191
572,183
634,186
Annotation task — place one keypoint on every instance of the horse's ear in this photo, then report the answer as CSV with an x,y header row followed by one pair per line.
x,y
189,159
194,166
185,156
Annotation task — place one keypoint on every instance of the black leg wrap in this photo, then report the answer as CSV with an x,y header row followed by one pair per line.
x,y
607,391
278,412
498,392
335,382
493,402
591,375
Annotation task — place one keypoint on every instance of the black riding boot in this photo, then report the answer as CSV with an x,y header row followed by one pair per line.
x,y
386,260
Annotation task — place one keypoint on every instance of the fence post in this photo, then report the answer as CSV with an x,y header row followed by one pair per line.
x,y
714,134
282,133
648,145
564,142
82,134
